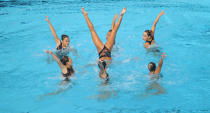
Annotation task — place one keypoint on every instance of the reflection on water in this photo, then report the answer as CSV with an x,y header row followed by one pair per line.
x,y
63,86
105,91
49,59
154,51
153,87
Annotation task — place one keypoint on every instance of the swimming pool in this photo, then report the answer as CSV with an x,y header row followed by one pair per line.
x,y
27,73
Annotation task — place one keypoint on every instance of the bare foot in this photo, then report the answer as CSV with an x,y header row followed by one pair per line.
x,y
83,11
162,13
115,16
47,19
123,11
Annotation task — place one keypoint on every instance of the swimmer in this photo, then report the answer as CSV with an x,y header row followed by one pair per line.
x,y
154,88
62,47
104,50
148,35
152,66
65,65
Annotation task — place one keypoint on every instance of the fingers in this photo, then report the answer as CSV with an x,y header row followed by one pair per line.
x,y
49,52
123,11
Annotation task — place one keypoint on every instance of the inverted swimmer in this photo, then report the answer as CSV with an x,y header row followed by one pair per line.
x,y
62,46
148,35
65,65
104,50
152,67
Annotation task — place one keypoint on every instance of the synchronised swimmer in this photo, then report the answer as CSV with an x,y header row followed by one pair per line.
x,y
104,50
149,35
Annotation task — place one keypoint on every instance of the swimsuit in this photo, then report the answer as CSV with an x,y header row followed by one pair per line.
x,y
62,51
102,64
105,52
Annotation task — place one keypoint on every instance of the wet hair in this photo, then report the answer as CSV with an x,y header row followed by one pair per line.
x,y
64,60
110,30
63,36
106,82
149,33
102,65
151,66
66,79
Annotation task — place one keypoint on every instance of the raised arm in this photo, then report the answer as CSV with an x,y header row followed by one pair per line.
x,y
156,21
113,23
57,40
62,67
157,71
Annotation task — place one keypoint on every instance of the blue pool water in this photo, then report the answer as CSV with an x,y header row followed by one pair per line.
x,y
27,74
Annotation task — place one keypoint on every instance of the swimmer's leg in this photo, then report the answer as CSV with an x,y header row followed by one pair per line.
x,y
96,40
110,41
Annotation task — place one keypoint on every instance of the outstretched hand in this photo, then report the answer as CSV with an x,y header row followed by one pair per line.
x,y
49,52
47,19
162,12
123,11
83,11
